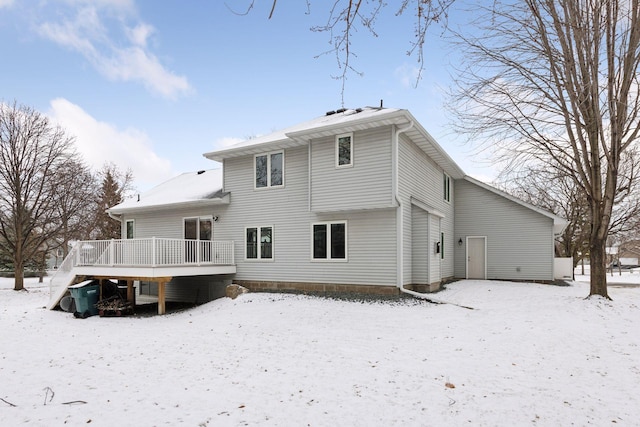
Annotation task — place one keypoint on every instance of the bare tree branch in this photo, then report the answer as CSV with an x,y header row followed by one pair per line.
x,y
556,81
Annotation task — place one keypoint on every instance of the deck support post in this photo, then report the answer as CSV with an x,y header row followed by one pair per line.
x,y
130,292
161,297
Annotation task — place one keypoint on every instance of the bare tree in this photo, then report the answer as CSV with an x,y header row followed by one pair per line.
x,y
77,189
346,17
557,81
32,153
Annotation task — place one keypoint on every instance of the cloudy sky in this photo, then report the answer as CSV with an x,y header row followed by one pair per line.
x,y
152,85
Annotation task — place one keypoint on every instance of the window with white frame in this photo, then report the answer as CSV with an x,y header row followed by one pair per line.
x,y
446,187
130,227
269,170
329,240
198,234
259,242
442,245
344,150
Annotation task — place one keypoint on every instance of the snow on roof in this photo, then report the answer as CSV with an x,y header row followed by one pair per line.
x,y
187,188
341,117
342,121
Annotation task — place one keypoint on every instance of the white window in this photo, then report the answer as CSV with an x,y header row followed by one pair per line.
x,y
329,240
269,170
259,242
198,228
344,150
446,187
130,224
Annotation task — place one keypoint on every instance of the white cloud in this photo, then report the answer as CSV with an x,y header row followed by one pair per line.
x,y
139,34
101,142
407,75
6,3
131,60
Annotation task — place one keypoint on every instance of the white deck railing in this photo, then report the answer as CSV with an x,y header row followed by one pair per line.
x,y
151,252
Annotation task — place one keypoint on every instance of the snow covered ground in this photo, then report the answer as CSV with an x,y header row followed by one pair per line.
x,y
527,354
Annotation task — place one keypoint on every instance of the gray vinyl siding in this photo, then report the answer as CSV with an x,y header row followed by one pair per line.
x,y
419,246
519,240
168,224
421,178
365,185
435,271
371,246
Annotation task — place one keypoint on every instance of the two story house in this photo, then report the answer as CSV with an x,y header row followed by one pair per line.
x,y
360,200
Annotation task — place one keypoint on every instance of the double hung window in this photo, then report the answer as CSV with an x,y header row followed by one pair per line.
x,y
259,242
330,240
269,170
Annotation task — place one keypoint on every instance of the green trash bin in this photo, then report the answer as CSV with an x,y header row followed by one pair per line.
x,y
85,295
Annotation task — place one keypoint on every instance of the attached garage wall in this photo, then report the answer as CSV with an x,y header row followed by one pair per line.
x,y
519,240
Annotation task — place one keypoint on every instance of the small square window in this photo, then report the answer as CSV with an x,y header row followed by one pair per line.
x,y
344,150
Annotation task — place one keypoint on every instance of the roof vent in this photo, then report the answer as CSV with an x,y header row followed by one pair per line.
x,y
342,110
201,172
329,113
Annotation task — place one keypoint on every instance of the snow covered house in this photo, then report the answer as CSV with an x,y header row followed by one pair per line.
x,y
358,200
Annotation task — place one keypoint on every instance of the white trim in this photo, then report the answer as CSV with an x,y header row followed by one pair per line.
x,y
328,241
337,149
259,248
425,207
268,156
466,255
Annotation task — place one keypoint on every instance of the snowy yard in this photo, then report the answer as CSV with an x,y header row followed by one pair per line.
x,y
527,355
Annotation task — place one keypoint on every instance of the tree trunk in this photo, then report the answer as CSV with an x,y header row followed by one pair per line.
x,y
19,276
598,261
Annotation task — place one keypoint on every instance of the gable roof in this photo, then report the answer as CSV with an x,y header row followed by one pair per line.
x,y
342,121
559,223
189,189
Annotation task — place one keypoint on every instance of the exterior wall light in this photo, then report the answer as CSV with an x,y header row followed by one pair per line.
x,y
460,241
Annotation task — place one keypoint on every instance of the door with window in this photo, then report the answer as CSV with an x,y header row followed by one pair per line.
x,y
198,235
477,258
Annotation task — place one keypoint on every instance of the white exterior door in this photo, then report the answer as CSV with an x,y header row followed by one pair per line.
x,y
476,258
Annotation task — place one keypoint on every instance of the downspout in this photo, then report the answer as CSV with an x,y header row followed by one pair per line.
x,y
400,221
399,210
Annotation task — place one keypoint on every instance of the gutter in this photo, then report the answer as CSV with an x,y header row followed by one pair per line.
x,y
115,216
